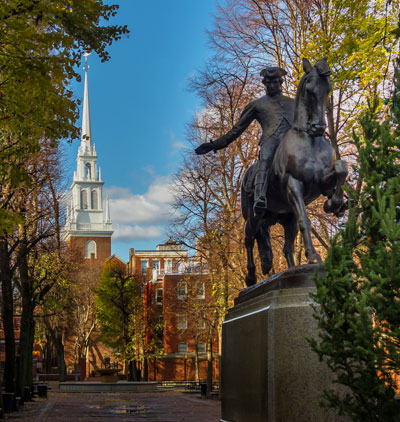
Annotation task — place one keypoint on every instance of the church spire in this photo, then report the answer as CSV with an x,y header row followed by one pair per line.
x,y
87,218
86,136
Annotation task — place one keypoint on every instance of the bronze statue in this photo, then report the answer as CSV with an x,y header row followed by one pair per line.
x,y
302,168
274,112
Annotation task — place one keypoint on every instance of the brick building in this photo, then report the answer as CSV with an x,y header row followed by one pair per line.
x,y
177,294
17,326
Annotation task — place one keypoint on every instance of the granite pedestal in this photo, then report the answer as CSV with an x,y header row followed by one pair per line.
x,y
268,371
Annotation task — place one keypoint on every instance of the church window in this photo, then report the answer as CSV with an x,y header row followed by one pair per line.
x,y
94,200
84,200
88,171
90,249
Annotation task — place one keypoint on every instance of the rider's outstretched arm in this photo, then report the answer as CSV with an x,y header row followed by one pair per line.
x,y
247,116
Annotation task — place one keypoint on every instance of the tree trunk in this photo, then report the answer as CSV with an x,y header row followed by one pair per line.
x,y
48,354
1,401
131,376
27,331
60,356
209,366
7,315
145,369
196,363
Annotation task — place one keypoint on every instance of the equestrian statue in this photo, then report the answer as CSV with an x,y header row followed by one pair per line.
x,y
296,164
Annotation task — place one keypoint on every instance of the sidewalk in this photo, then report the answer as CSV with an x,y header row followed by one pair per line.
x,y
159,407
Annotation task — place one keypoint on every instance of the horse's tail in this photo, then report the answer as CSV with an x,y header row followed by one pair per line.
x,y
247,191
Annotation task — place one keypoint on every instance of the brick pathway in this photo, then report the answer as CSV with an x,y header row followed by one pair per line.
x,y
159,407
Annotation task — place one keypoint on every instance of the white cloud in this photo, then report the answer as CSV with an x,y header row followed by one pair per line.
x,y
139,217
177,144
127,233
150,207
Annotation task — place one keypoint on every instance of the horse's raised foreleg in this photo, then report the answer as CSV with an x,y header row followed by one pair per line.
x,y
249,238
289,223
295,198
335,203
264,246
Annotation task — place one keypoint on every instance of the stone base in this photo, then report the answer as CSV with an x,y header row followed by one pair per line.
x,y
102,387
268,371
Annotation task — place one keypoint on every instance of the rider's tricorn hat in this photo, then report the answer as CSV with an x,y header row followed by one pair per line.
x,y
273,72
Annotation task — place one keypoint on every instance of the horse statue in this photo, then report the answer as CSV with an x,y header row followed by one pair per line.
x,y
303,168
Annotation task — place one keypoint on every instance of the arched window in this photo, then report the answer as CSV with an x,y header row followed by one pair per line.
x,y
88,171
84,200
90,249
95,201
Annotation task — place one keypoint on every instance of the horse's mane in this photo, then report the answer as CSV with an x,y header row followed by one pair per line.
x,y
300,89
322,69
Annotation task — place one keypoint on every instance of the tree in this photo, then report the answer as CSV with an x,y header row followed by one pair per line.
x,y
25,251
355,37
55,315
202,318
84,318
357,297
247,34
119,307
41,45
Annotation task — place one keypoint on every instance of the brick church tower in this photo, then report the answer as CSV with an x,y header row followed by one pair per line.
x,y
88,227
87,234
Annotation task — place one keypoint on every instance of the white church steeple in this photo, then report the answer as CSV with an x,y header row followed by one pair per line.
x,y
86,216
86,135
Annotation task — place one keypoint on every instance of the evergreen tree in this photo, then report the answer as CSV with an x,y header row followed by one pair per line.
x,y
358,296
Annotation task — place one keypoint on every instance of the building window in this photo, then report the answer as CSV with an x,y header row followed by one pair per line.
x,y
84,200
90,249
156,264
88,171
182,322
201,347
168,266
159,295
182,290
201,323
182,347
95,201
143,267
200,290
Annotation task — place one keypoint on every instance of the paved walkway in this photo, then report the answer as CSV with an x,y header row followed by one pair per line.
x,y
159,407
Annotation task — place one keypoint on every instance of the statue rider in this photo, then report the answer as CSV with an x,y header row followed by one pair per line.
x,y
275,113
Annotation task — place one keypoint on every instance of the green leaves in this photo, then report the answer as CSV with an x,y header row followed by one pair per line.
x,y
41,45
358,297
120,311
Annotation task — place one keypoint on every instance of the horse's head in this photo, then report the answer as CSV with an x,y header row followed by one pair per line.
x,y
311,98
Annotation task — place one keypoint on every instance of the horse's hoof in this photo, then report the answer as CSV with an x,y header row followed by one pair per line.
x,y
250,281
342,210
334,206
266,268
314,259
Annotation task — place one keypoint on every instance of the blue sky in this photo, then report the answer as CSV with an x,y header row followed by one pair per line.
x,y
140,105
